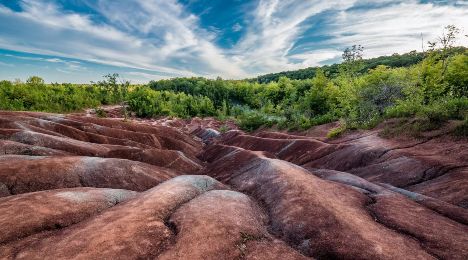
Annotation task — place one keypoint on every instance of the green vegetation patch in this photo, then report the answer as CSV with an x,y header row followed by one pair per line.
x,y
430,87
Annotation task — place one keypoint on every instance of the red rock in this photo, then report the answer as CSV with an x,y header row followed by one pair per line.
x,y
321,218
27,214
22,174
135,229
69,189
442,237
223,225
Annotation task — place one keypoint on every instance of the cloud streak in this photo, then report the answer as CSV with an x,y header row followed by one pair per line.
x,y
163,38
395,28
275,28
77,36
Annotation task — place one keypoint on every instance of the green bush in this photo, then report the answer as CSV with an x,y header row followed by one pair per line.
x,y
439,110
223,129
428,117
404,108
100,112
431,88
146,102
462,129
250,121
457,75
336,132
37,96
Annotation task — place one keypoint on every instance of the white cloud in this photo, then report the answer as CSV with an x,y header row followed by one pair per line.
x,y
141,77
6,64
161,36
315,58
395,28
69,65
237,27
386,28
183,39
275,28
77,36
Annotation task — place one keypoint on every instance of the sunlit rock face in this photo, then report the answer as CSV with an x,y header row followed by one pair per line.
x,y
80,187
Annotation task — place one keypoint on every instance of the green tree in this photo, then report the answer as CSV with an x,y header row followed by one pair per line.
x,y
352,60
35,80
442,46
315,100
457,74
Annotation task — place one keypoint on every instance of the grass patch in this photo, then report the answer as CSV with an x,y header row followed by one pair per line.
x,y
461,130
336,132
100,112
223,129
414,127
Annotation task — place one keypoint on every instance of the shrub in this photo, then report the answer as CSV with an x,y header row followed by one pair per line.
x,y
146,102
100,112
143,101
462,129
445,109
457,74
37,96
429,117
404,108
252,120
223,129
335,132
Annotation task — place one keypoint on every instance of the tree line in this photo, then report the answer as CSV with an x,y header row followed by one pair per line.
x,y
430,86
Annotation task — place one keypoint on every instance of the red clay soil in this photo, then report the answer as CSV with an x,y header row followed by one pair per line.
x,y
35,173
76,186
27,214
316,216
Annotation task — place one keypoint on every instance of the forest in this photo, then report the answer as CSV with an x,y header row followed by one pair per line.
x,y
427,88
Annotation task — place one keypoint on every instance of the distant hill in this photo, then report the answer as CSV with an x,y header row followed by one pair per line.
x,y
394,61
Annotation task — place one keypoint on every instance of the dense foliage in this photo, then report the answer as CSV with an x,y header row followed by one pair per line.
x,y
35,95
434,88
431,87
146,102
394,61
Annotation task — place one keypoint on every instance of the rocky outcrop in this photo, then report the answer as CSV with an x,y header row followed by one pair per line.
x,y
320,217
80,187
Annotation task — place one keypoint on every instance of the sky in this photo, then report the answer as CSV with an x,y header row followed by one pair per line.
x,y
81,40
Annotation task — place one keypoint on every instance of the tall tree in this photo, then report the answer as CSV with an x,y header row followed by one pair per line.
x,y
444,44
352,59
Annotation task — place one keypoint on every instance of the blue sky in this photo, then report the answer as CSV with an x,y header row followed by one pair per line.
x,y
81,40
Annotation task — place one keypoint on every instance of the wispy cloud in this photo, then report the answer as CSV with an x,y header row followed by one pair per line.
x,y
315,58
77,36
396,28
163,38
383,27
6,64
276,26
237,27
140,77
69,65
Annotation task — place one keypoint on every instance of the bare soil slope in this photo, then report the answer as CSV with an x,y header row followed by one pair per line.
x,y
81,187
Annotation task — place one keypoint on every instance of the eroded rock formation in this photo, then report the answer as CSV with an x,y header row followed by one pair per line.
x,y
80,187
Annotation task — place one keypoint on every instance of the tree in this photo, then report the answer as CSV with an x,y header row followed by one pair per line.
x,y
114,89
445,43
352,60
35,80
457,74
315,100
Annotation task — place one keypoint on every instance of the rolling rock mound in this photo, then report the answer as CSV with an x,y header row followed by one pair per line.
x,y
80,187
